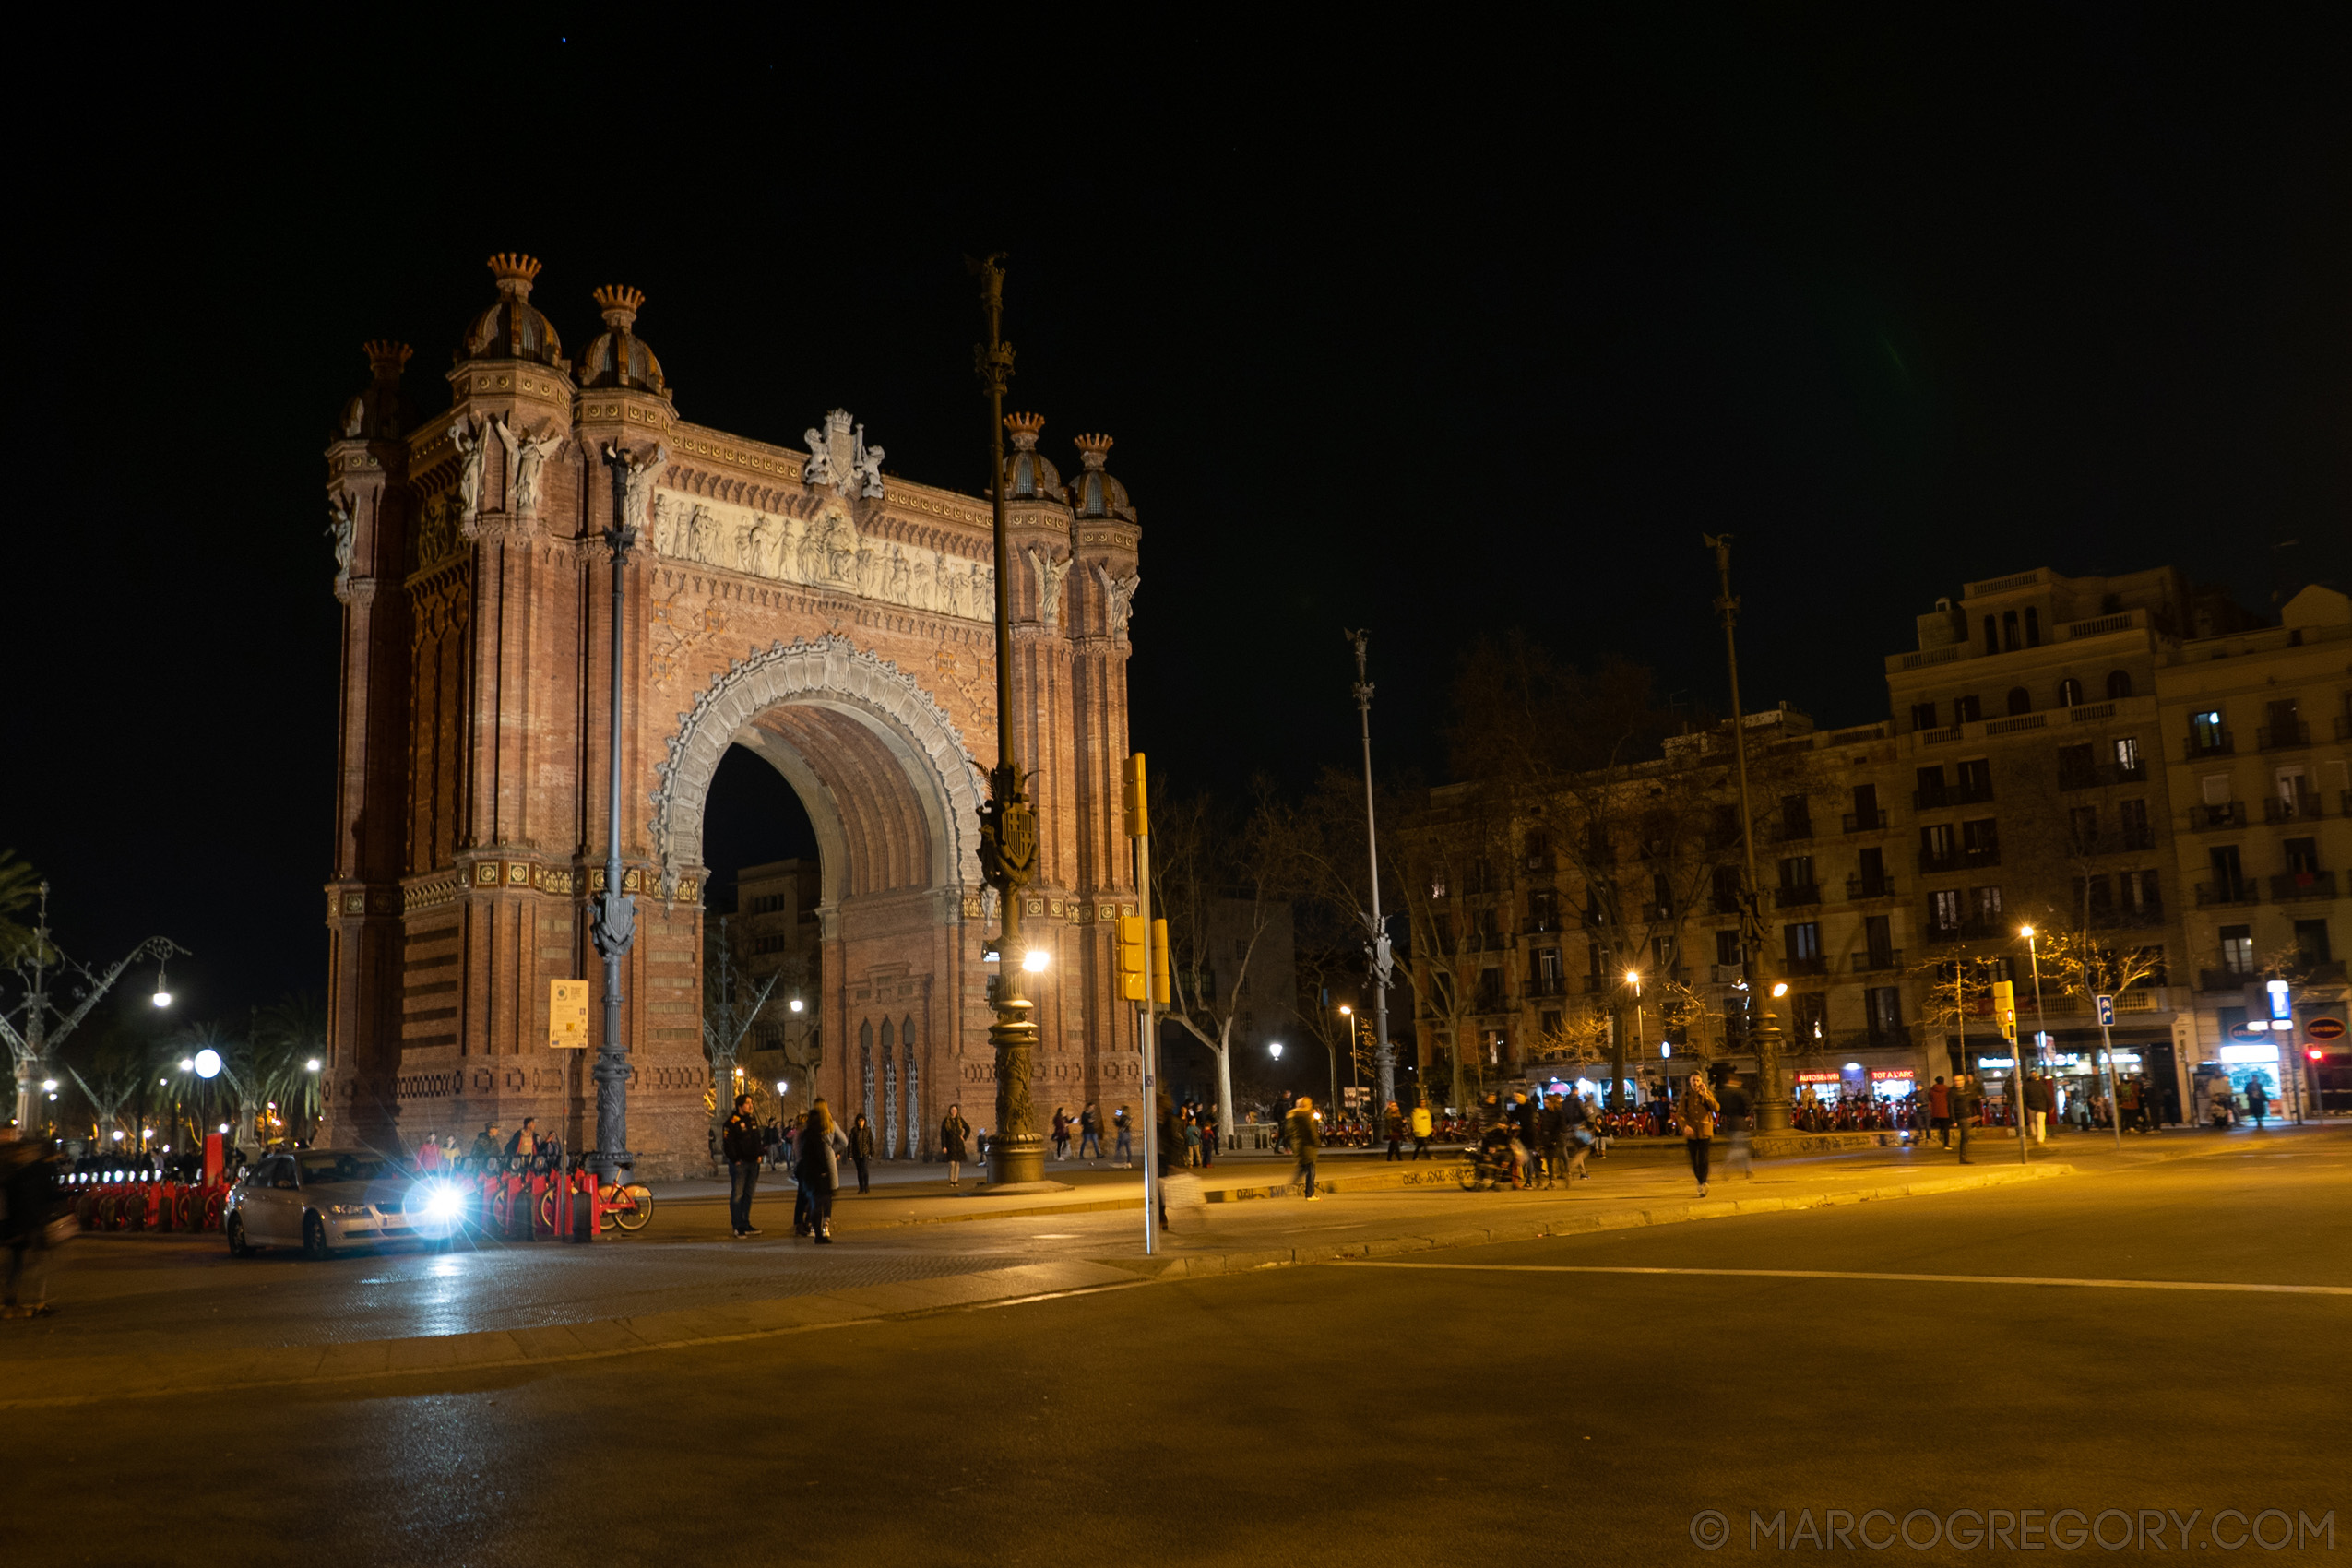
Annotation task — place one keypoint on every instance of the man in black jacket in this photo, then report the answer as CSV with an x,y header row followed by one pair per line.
x,y
743,1147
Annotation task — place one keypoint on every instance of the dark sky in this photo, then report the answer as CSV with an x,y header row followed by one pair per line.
x,y
1439,331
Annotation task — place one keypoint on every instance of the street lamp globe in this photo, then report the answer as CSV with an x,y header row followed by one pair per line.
x,y
162,998
1633,977
1780,988
310,1065
207,1062
2026,932
781,1085
797,1004
1276,1048
1035,960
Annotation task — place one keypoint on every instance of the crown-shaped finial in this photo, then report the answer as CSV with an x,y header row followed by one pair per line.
x,y
514,271
386,358
1025,428
1092,449
620,304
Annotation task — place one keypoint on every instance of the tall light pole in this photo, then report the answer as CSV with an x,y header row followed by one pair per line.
x,y
31,1043
1383,1054
1772,1104
613,921
1008,827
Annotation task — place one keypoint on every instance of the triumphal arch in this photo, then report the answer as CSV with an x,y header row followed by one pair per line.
x,y
802,602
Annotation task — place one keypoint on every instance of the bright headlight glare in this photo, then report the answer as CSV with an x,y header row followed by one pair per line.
x,y
443,1203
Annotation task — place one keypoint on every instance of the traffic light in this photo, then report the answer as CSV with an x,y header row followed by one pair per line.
x,y
1133,797
2004,1009
1130,958
1160,988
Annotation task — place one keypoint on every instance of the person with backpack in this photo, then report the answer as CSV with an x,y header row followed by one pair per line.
x,y
820,1168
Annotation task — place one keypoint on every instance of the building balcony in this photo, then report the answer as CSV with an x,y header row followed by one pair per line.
x,y
2229,814
1796,898
1932,862
1967,931
2136,839
2301,806
1931,799
2128,916
1860,887
1816,964
1980,857
2213,743
1540,863
1548,985
2300,884
1886,1036
1961,794
1539,924
1878,963
2213,895
2283,737
1718,904
2224,980
1793,833
1725,974
1864,822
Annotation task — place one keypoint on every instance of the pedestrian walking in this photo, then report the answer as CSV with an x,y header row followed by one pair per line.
x,y
1551,1125
1192,1141
1123,1151
820,1171
1170,1151
741,1147
1208,1136
2036,1092
1736,1111
954,1135
29,1202
1423,1125
1695,1114
428,1156
2257,1100
1394,1125
1577,1119
1089,1134
1965,1098
860,1146
1306,1142
1061,1134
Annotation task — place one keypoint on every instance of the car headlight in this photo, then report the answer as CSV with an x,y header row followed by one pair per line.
x,y
444,1203
347,1211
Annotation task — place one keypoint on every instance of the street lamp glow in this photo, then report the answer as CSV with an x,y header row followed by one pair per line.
x,y
162,998
224,1126
1346,1011
797,1004
207,1062
1633,977
1035,960
311,1065
1276,1048
187,1064
781,1085
49,1085
2026,932
1780,988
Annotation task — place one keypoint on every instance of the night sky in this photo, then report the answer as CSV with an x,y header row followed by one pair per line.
x,y
1441,331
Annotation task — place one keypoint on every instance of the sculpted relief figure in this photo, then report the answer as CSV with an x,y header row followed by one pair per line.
x,y
665,524
343,528
900,589
867,480
818,470
1118,597
788,552
840,549
866,572
469,455
764,534
525,460
1050,572
639,475
921,594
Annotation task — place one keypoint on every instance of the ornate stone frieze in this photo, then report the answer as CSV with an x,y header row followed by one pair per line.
x,y
826,551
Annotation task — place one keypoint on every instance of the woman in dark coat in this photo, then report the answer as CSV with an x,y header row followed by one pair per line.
x,y
954,1135
860,1146
820,1171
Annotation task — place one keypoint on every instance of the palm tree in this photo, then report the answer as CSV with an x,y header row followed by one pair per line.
x,y
20,886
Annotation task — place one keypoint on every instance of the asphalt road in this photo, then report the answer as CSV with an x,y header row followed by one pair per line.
x,y
1499,1401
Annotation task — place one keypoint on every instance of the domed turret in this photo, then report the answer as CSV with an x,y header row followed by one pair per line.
x,y
1094,491
514,329
1030,475
619,357
380,413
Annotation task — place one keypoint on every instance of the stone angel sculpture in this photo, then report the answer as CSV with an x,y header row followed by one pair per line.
x,y
867,462
343,528
1050,572
525,456
468,444
818,470
638,475
1118,597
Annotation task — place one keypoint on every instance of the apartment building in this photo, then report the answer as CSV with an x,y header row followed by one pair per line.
x,y
2061,754
2257,729
776,932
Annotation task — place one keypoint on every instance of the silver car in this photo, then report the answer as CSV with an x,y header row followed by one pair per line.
x,y
320,1199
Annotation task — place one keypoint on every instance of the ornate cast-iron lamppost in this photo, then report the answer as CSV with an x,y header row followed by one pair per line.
x,y
1772,1102
1008,827
613,914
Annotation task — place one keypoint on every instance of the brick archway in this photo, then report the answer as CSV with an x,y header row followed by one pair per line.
x,y
882,712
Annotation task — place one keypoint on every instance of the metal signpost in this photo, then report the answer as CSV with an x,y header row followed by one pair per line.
x,y
2106,1044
